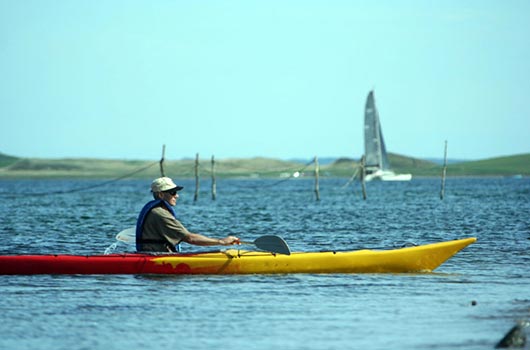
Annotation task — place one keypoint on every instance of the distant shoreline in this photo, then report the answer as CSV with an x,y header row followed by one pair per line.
x,y
259,167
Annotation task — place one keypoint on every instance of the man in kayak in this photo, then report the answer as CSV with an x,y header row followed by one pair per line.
x,y
157,228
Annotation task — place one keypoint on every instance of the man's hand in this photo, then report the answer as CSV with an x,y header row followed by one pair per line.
x,y
229,240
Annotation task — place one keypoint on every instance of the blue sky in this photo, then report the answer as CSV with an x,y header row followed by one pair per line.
x,y
284,79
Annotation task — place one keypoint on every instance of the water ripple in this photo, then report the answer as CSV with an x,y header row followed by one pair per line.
x,y
468,303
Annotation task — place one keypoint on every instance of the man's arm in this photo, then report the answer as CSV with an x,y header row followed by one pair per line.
x,y
198,239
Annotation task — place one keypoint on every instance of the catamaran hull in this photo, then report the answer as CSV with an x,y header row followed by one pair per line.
x,y
423,258
387,175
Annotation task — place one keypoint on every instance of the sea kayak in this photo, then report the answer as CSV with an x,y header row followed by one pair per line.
x,y
422,258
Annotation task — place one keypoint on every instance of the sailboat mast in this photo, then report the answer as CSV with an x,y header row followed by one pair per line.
x,y
377,127
383,162
371,145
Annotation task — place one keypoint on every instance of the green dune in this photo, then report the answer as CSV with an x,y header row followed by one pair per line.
x,y
19,168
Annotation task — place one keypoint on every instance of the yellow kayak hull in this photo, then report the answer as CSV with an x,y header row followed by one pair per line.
x,y
424,258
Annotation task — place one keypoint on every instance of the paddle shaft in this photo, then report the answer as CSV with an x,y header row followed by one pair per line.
x,y
269,243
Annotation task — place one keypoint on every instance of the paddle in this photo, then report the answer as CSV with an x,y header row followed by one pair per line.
x,y
127,236
269,243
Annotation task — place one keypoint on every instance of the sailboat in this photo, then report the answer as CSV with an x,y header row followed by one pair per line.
x,y
377,166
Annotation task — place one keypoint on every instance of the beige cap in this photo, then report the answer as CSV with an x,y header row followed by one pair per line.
x,y
164,184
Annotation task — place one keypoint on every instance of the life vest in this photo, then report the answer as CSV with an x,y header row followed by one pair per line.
x,y
141,219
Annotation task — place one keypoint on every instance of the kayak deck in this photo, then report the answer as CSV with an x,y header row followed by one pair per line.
x,y
423,258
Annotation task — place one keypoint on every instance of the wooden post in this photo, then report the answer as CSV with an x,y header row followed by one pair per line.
x,y
162,161
363,175
214,186
317,187
196,197
444,171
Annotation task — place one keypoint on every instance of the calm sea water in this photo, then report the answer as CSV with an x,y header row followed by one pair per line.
x,y
349,311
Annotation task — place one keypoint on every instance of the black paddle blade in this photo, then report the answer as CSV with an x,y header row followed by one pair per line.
x,y
273,244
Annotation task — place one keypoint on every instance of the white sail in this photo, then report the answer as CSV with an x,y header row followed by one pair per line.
x,y
377,165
